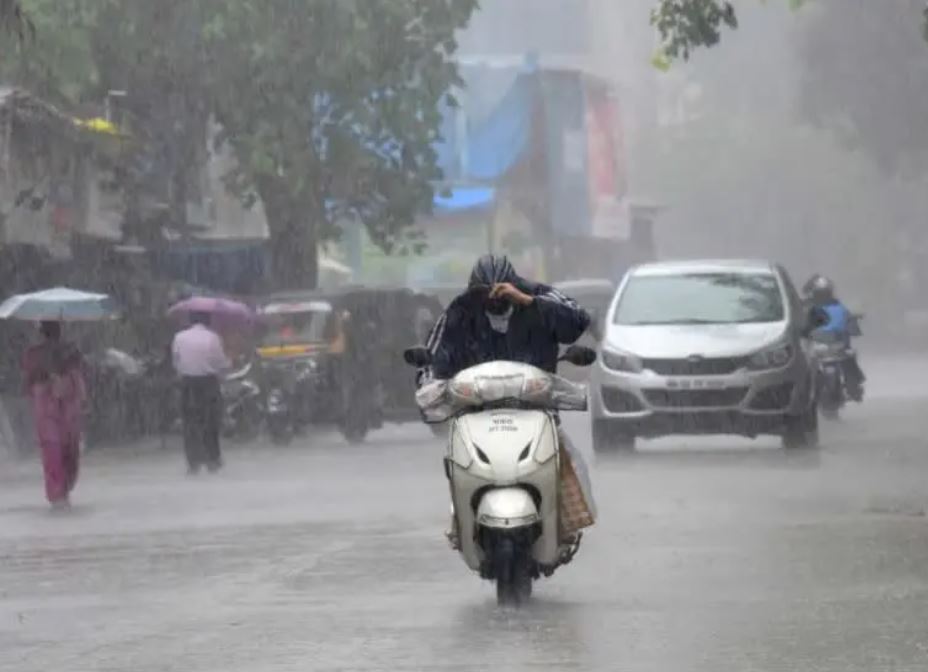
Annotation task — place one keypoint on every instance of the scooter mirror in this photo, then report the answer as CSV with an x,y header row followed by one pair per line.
x,y
579,355
418,356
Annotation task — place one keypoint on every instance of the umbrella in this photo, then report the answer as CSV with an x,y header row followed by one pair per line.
x,y
225,312
58,304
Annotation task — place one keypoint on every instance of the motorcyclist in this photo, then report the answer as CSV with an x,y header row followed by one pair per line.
x,y
843,324
502,316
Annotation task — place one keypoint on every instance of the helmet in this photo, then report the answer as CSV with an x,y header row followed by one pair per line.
x,y
490,270
822,289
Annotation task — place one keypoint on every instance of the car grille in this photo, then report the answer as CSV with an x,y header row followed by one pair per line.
x,y
719,366
620,401
774,398
732,396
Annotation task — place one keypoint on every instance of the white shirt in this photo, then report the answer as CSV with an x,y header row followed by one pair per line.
x,y
198,351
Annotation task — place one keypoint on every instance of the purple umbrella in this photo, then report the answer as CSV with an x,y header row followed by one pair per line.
x,y
224,312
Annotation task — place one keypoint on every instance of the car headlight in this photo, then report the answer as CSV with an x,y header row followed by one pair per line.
x,y
772,358
621,361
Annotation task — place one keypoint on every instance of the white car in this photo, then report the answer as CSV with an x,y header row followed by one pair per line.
x,y
705,347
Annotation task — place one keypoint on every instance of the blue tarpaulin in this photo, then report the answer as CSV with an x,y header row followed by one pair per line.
x,y
459,199
498,105
496,144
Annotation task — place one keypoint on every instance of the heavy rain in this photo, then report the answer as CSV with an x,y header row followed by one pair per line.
x,y
455,335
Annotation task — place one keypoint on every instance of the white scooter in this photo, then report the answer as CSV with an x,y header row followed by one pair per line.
x,y
503,465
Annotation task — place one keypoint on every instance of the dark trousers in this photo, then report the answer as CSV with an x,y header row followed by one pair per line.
x,y
201,406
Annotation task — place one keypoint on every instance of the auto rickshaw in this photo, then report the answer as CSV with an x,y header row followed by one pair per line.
x,y
342,353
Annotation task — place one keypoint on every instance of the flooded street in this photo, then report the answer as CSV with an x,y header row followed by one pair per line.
x,y
293,223
710,555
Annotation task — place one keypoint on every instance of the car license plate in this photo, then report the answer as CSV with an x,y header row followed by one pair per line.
x,y
695,384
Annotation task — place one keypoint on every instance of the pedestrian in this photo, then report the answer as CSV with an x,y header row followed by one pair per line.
x,y
199,359
54,382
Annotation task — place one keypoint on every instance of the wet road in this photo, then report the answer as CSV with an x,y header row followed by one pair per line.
x,y
711,555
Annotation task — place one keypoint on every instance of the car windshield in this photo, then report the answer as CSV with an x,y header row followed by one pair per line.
x,y
294,328
701,298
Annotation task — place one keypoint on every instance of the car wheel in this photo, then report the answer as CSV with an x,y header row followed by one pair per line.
x,y
802,430
609,438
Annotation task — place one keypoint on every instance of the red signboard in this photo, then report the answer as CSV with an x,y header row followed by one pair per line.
x,y
606,172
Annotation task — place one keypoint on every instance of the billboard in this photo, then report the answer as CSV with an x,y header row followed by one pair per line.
x,y
606,167
585,152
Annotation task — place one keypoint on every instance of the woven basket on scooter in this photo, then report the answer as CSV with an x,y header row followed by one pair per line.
x,y
575,513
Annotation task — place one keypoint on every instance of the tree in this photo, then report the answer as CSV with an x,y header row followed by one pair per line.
x,y
331,106
685,25
13,20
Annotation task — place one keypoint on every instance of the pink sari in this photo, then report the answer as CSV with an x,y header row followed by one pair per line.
x,y
55,384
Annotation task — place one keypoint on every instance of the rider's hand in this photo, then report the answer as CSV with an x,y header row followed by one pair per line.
x,y
511,293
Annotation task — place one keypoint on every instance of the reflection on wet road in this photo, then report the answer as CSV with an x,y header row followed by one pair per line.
x,y
711,555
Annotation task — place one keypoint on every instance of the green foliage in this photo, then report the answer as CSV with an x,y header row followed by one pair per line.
x,y
686,24
14,21
331,106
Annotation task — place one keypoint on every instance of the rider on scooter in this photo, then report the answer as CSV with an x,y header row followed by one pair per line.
x,y
820,292
502,316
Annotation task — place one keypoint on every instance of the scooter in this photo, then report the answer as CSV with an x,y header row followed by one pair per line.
x,y
503,465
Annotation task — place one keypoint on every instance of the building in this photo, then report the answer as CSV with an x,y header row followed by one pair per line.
x,y
537,158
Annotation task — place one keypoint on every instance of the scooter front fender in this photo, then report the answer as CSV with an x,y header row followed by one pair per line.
x,y
507,509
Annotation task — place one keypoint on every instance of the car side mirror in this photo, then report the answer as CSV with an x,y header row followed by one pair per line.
x,y
579,355
419,357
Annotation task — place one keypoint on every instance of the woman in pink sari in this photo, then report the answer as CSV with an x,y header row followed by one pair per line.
x,y
55,385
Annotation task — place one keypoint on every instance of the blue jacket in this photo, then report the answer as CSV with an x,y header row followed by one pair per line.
x,y
462,337
841,321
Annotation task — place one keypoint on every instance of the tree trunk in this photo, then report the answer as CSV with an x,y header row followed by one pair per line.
x,y
294,244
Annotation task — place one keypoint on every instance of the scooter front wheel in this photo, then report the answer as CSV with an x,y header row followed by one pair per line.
x,y
513,578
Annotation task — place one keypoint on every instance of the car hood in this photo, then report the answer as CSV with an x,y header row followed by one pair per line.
x,y
704,340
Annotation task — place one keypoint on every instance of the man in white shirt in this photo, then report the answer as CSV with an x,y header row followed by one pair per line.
x,y
199,360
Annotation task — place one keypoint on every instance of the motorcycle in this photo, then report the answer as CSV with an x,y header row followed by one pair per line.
x,y
290,388
503,465
830,354
278,404
241,396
